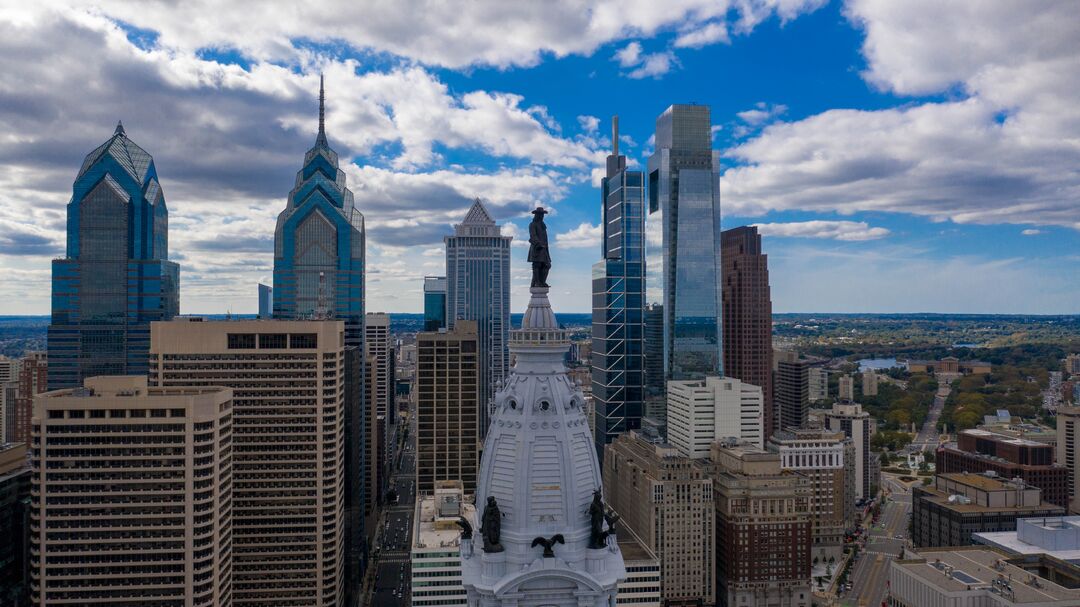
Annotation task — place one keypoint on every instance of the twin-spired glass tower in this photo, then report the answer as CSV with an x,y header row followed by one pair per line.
x,y
684,196
319,244
116,277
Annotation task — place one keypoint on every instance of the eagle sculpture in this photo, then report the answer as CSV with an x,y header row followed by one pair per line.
x,y
548,544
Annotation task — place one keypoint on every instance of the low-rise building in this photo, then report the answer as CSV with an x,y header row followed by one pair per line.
x,y
948,512
977,576
436,544
977,450
949,365
763,528
1056,536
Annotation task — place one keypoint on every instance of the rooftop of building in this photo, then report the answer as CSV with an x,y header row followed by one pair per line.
x,y
998,436
985,481
980,482
437,517
128,386
12,458
1057,536
980,569
632,549
993,458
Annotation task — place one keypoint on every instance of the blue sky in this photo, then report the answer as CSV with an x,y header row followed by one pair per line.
x,y
899,157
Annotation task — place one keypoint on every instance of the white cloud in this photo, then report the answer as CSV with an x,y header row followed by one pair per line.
x,y
1001,148
761,113
709,33
629,55
589,124
584,236
646,65
835,230
1031,232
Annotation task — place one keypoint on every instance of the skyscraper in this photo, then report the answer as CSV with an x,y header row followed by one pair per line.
x,y
792,390
116,277
319,244
378,345
684,196
288,457
266,301
618,302
748,313
703,411
133,495
446,409
434,303
478,288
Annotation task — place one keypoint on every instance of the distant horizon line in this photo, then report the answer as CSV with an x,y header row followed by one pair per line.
x,y
988,314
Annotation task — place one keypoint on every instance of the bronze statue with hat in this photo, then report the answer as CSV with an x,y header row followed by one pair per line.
x,y
539,256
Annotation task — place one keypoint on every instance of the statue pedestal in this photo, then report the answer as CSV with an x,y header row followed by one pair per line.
x,y
596,561
494,564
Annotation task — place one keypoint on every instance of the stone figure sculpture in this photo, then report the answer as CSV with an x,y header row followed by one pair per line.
x,y
596,522
539,256
491,526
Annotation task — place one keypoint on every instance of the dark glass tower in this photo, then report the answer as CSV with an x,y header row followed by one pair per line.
x,y
618,302
684,195
116,278
434,303
319,273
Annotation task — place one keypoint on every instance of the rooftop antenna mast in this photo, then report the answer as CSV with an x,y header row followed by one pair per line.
x,y
615,134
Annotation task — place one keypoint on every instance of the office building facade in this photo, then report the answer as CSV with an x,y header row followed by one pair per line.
x,y
818,389
378,345
319,244
116,277
436,543
133,495
434,303
618,303
684,196
447,384
857,425
666,499
747,314
763,529
478,288
846,388
266,301
791,391
979,451
288,464
33,380
701,412
1068,443
14,525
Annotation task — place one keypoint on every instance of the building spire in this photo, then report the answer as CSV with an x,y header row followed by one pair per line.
x,y
119,128
615,134
321,139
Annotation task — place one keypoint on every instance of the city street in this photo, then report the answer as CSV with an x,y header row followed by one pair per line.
x,y
392,575
886,539
927,438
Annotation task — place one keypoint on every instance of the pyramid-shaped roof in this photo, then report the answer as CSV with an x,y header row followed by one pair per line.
x,y
135,160
478,215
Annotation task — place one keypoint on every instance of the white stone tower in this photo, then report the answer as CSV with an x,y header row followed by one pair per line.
x,y
540,466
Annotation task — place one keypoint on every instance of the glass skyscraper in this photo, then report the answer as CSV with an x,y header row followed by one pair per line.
x,y
478,288
116,277
319,273
434,303
618,303
684,195
319,244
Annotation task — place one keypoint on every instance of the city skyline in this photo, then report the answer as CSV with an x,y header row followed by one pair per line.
x,y
845,154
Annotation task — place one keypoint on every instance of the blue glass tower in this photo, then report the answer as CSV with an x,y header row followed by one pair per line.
x,y
319,273
618,303
319,244
684,196
434,303
116,277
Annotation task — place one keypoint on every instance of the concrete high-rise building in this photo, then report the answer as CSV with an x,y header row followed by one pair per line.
x,y
133,495
266,301
643,582
1068,443
763,529
977,450
847,388
436,543
666,499
701,412
33,380
359,493
818,389
869,383
684,196
791,391
9,369
957,505
9,393
434,303
14,525
377,344
319,244
618,296
747,317
478,288
288,449
447,389
540,478
373,467
116,277
827,459
857,425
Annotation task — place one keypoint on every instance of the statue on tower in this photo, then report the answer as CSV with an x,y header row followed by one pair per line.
x,y
491,526
539,256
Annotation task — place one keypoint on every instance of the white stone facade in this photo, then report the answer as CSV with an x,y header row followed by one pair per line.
x,y
701,412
